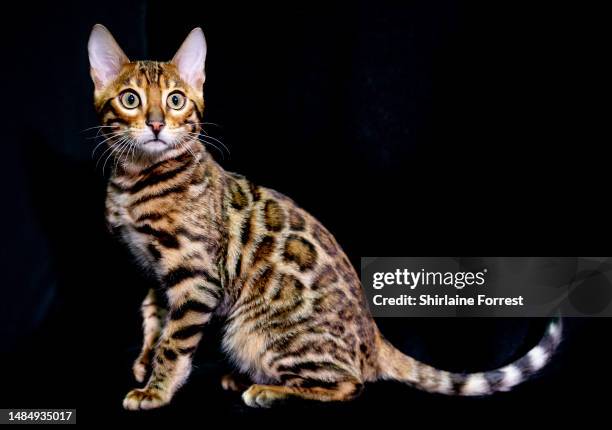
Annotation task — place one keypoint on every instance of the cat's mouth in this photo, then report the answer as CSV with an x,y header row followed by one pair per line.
x,y
155,145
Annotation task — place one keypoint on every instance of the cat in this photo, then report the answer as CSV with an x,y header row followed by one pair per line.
x,y
296,321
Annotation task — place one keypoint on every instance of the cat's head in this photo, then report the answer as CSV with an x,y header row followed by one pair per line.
x,y
152,108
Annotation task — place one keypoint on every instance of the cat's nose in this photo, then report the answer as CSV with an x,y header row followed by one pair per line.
x,y
156,126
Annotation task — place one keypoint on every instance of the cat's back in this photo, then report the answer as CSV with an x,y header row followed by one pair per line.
x,y
270,228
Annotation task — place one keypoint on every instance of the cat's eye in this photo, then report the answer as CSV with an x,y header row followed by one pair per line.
x,y
130,100
176,101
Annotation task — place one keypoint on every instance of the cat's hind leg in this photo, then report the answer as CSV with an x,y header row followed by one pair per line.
x,y
265,396
235,382
153,314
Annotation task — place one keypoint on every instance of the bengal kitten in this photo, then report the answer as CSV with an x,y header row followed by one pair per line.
x,y
297,324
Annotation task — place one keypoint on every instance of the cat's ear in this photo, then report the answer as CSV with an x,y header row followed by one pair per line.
x,y
190,58
105,57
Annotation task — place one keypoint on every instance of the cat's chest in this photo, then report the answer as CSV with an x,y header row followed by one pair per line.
x,y
158,224
119,213
136,232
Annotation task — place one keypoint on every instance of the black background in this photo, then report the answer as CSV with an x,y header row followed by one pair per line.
x,y
407,128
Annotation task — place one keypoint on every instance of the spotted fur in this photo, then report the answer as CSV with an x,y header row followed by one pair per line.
x,y
296,321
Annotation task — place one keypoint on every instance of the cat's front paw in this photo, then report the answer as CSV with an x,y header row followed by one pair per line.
x,y
144,398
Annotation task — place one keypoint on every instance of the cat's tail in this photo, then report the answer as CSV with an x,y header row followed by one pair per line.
x,y
398,366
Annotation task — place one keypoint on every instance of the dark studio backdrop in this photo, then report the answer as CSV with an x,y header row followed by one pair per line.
x,y
407,128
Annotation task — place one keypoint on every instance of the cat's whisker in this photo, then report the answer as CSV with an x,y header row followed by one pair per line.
x,y
133,149
105,140
99,127
118,156
205,142
123,142
203,131
105,134
214,146
127,153
97,134
217,140
208,123
125,146
93,153
194,155
185,146
112,148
